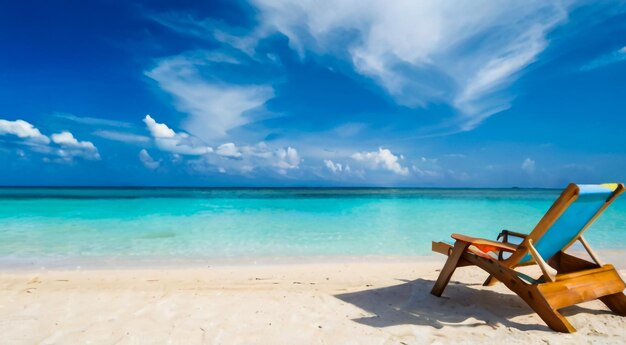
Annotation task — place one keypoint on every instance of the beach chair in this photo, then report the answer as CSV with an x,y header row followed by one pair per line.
x,y
566,279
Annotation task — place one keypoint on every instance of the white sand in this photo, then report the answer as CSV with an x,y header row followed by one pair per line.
x,y
323,303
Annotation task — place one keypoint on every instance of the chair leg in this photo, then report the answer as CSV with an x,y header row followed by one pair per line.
x,y
616,302
537,302
529,293
551,317
449,267
491,280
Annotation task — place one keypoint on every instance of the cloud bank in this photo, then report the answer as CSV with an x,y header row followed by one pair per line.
x,y
63,147
226,158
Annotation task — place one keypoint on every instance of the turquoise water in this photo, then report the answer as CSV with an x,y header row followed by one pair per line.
x,y
230,223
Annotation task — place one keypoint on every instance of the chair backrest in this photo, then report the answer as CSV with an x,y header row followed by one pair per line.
x,y
570,215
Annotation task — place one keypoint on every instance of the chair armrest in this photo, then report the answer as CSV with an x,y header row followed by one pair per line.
x,y
507,233
484,244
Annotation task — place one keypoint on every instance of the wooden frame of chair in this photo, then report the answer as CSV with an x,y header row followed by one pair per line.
x,y
567,280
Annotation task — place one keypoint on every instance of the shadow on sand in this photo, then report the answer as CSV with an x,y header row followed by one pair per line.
x,y
412,303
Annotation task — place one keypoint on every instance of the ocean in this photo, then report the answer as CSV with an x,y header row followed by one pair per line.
x,y
39,224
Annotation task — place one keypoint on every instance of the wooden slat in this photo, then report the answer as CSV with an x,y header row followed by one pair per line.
x,y
441,247
583,273
565,263
581,288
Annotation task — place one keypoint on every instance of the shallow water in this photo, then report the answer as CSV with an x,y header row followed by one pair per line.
x,y
231,223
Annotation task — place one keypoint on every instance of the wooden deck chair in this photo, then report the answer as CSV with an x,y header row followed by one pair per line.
x,y
566,279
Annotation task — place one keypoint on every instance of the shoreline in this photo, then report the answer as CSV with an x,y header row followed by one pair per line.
x,y
175,263
16,264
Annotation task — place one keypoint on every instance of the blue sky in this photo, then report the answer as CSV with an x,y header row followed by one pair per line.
x,y
312,93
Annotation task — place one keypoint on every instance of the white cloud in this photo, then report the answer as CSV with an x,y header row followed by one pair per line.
x,y
148,161
158,130
214,107
383,158
334,167
281,158
70,147
23,130
167,140
287,158
67,139
611,58
528,165
463,54
228,157
63,145
228,150
124,137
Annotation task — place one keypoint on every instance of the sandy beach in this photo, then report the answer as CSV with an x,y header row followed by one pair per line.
x,y
302,303
282,172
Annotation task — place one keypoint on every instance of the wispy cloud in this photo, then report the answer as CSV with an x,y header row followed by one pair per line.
x,y
214,106
421,52
124,137
604,60
185,23
95,121
148,161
